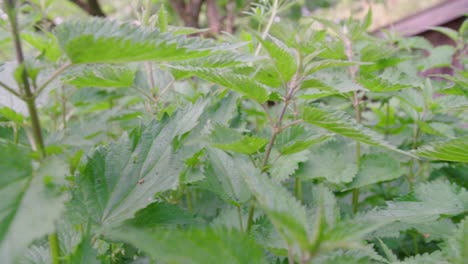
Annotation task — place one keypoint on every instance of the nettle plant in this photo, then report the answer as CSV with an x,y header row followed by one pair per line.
x,y
310,143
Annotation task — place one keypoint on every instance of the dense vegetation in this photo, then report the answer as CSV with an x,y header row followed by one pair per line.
x,y
305,142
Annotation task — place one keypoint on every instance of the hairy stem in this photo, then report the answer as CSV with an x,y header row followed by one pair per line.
x,y
250,216
274,11
298,188
10,90
51,78
239,213
353,70
28,97
188,196
54,247
30,100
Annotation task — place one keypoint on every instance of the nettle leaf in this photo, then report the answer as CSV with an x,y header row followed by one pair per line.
x,y
122,178
453,150
426,258
193,246
36,255
328,63
440,56
29,201
237,82
285,212
102,77
224,176
285,166
378,84
99,40
221,60
247,145
283,57
333,161
456,248
300,145
376,168
47,44
161,214
264,73
340,123
429,202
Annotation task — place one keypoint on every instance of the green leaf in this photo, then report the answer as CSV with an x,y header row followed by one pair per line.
x,y
193,246
282,56
456,248
430,201
162,19
329,63
104,41
285,212
84,252
440,56
224,176
426,258
300,145
28,199
333,161
46,44
285,166
247,145
159,214
376,168
122,178
10,115
102,77
377,84
452,34
453,150
340,123
36,255
237,82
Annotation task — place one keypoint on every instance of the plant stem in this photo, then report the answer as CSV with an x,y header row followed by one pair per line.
x,y
298,189
30,100
274,11
189,199
251,216
357,109
290,255
387,119
239,213
28,97
51,78
54,247
10,90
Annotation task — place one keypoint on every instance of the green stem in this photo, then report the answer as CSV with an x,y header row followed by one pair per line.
x,y
251,216
54,248
188,196
353,70
28,97
387,119
239,213
274,11
10,90
51,78
298,189
30,100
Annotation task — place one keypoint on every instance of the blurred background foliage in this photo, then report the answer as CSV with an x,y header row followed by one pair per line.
x,y
215,16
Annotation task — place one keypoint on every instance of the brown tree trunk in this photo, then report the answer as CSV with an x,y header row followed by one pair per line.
x,y
230,16
188,12
214,18
91,7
